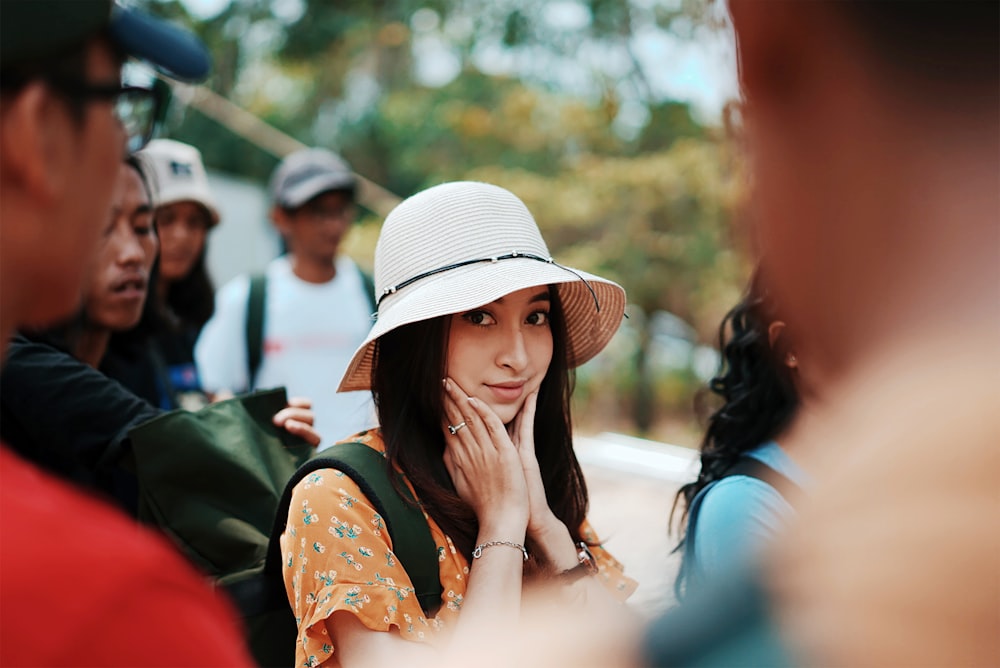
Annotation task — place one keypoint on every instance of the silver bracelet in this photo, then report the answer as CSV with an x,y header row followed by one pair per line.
x,y
478,552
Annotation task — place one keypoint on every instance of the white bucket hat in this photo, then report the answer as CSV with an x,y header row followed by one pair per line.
x,y
178,175
458,246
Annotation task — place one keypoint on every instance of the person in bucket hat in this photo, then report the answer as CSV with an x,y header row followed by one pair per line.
x,y
469,360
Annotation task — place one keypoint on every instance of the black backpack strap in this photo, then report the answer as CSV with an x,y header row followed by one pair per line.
x,y
255,326
404,521
754,468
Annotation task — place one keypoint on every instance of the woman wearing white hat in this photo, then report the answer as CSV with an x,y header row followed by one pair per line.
x,y
469,362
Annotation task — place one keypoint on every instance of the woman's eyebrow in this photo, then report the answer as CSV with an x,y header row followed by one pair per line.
x,y
540,297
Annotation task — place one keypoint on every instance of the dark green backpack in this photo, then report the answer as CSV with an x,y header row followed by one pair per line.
x,y
270,622
219,481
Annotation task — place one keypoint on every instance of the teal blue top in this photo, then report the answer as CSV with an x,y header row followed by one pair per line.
x,y
738,514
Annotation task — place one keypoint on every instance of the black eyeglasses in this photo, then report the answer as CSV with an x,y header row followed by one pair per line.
x,y
137,108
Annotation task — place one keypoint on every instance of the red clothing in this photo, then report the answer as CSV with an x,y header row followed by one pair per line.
x,y
82,585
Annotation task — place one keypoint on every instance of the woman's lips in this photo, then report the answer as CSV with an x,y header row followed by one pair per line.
x,y
507,392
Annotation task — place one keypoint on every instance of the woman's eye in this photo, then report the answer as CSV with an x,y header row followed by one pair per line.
x,y
538,318
481,318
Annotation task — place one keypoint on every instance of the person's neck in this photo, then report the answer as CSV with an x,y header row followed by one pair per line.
x,y
162,289
312,271
90,345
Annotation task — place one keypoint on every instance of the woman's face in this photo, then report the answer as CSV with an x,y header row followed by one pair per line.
x,y
182,227
116,289
500,352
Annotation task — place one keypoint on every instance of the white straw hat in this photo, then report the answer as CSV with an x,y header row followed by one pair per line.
x,y
178,175
458,246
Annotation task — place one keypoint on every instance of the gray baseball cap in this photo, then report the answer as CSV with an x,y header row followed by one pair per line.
x,y
307,173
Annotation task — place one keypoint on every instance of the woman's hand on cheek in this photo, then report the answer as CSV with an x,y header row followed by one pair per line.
x,y
484,465
522,430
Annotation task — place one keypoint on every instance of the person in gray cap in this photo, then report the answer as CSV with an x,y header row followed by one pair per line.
x,y
65,124
298,324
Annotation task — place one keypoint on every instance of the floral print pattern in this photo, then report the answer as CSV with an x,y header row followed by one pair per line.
x,y
338,556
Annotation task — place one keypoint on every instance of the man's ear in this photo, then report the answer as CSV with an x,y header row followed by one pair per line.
x,y
774,43
35,142
281,220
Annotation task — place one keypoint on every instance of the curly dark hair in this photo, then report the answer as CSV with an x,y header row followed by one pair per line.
x,y
757,391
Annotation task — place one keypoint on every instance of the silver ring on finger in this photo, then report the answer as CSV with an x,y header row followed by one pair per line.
x,y
454,428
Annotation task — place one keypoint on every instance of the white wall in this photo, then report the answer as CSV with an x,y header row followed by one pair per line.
x,y
244,241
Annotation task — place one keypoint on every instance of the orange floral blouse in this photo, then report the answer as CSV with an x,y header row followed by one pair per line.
x,y
338,556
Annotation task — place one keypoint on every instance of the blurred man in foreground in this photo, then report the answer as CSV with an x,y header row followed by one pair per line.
x,y
80,584
873,133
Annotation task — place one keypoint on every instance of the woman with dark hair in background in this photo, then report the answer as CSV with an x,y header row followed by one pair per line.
x,y
156,358
741,495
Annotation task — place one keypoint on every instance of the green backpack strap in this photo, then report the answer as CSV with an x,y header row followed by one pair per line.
x,y
369,284
404,521
255,326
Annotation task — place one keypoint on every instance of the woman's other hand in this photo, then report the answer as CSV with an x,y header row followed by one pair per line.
x,y
541,519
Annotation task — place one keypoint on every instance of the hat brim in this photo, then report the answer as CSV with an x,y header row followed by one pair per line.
x,y
590,324
172,50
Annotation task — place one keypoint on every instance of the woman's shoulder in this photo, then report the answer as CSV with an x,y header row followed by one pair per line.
x,y
739,507
325,467
736,496
371,438
777,458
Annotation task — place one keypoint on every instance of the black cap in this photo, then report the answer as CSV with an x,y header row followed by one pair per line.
x,y
34,29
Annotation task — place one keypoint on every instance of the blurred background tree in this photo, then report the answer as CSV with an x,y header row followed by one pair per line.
x,y
551,100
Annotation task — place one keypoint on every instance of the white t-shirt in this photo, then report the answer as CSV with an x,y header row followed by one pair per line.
x,y
310,333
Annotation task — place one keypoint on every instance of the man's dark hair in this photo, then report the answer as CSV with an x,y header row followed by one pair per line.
x,y
68,65
933,47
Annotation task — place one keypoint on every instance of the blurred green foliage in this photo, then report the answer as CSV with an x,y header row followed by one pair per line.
x,y
654,209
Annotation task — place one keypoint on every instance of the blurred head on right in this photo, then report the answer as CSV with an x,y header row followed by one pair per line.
x,y
872,132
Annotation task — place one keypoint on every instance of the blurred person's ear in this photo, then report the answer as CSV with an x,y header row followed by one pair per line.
x,y
777,44
281,220
36,135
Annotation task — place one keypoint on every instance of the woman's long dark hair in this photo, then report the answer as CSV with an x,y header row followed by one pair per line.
x,y
408,366
756,388
192,298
